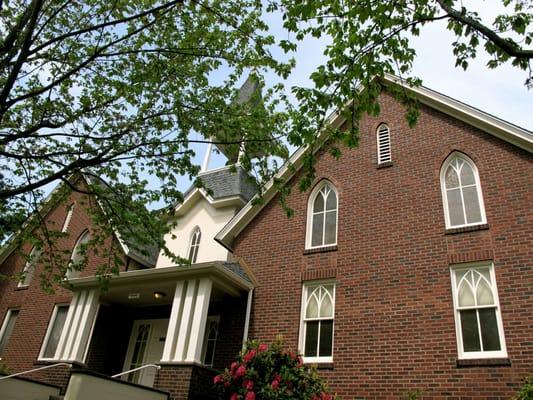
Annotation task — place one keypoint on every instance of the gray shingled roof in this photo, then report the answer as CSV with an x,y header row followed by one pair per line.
x,y
237,269
225,183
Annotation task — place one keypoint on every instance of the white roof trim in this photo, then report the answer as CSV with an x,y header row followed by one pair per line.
x,y
182,208
506,131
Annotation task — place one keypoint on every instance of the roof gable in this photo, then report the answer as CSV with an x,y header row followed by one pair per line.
x,y
487,123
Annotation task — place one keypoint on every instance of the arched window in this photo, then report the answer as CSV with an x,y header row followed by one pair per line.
x,y
383,144
316,328
29,267
322,216
461,192
194,245
78,255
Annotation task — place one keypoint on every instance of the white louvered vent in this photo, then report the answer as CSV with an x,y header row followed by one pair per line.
x,y
384,147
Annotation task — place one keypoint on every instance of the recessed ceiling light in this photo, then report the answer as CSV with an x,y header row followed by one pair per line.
x,y
159,295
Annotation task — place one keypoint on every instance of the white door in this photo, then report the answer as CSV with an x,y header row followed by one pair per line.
x,y
146,347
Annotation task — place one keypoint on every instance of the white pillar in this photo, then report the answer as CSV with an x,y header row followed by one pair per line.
x,y
186,328
79,323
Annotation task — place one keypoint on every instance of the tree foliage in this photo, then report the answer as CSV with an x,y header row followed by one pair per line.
x,y
121,90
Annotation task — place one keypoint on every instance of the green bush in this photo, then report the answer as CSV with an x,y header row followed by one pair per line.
x,y
526,391
263,372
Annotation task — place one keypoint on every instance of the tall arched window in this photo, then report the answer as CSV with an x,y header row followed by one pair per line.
x,y
461,192
194,245
78,255
29,267
322,216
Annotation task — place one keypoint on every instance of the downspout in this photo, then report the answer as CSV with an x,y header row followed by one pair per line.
x,y
247,319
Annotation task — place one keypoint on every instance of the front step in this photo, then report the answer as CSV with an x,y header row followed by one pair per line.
x,y
53,397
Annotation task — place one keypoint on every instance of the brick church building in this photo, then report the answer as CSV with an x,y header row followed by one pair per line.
x,y
407,266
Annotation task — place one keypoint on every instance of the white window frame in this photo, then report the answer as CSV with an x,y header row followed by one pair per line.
x,y
301,339
379,132
30,263
309,228
452,157
210,318
66,223
73,273
196,231
49,332
502,353
6,321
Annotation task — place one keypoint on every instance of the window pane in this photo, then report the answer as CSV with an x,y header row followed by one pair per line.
x,y
318,224
10,325
451,179
484,294
318,205
331,227
312,308
467,175
311,338
473,212
489,329
466,297
55,332
326,338
331,202
455,207
326,308
470,331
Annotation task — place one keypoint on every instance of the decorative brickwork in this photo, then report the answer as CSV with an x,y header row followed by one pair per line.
x,y
394,319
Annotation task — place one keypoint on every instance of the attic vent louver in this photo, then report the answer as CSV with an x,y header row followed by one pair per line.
x,y
384,146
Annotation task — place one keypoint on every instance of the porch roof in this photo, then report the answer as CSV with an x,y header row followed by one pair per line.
x,y
228,276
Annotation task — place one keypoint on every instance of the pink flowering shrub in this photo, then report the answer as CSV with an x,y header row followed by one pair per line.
x,y
263,372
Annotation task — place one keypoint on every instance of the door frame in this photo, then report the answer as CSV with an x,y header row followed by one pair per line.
x,y
131,344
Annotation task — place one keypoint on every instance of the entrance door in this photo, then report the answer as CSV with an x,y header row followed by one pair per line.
x,y
146,347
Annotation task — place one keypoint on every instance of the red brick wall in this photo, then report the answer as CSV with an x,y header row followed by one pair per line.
x,y
186,381
35,305
394,320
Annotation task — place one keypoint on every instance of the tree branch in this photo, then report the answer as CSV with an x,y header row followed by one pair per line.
x,y
504,44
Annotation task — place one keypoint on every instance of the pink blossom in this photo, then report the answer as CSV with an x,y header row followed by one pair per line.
x,y
248,384
275,384
234,396
233,367
300,362
218,379
262,347
240,371
250,396
249,356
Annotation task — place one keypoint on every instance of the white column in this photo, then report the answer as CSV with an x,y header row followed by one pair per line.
x,y
79,322
196,339
186,328
173,323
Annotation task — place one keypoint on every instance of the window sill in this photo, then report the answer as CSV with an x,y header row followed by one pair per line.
x,y
480,227
325,249
384,165
484,362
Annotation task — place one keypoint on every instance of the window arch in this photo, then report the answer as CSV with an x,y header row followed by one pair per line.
x,y
78,255
194,245
461,192
322,216
383,144
29,267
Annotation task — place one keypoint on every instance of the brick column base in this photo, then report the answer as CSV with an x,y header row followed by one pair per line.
x,y
186,381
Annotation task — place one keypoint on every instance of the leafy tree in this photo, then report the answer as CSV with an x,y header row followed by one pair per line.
x,y
116,89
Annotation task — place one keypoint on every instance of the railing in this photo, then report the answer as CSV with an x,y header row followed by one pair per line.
x,y
158,367
34,370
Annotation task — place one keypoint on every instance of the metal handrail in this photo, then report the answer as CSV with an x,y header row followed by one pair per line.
x,y
34,370
137,369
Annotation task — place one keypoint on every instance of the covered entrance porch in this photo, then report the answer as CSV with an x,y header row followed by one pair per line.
x,y
166,328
